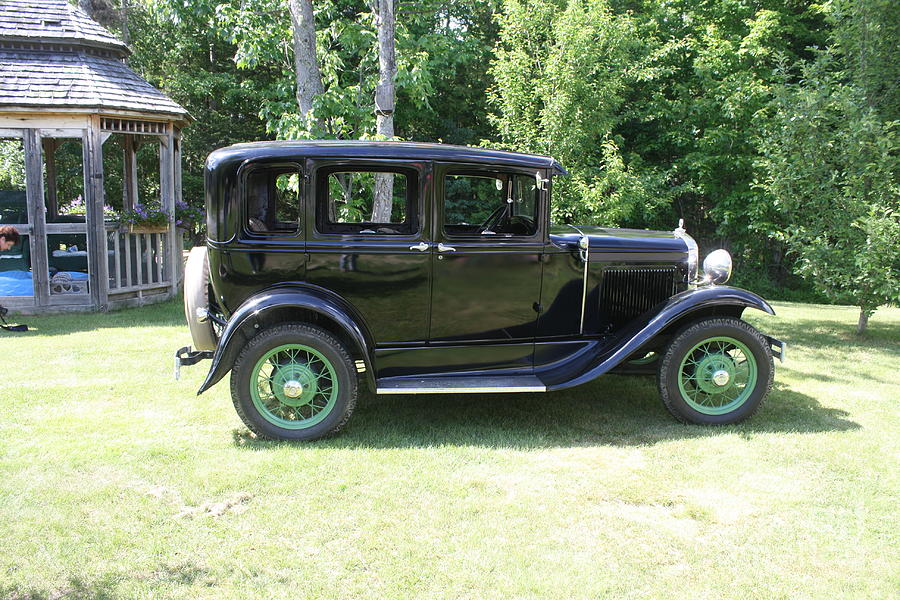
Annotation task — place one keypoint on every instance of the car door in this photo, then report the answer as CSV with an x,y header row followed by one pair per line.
x,y
380,264
488,243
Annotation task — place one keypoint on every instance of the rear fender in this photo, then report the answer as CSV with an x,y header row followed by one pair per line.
x,y
251,316
680,308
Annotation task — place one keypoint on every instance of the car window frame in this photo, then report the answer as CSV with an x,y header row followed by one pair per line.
x,y
321,168
442,170
243,233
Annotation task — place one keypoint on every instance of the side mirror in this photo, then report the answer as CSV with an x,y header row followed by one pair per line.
x,y
540,181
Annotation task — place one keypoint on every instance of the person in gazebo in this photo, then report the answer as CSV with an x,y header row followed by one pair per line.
x,y
9,237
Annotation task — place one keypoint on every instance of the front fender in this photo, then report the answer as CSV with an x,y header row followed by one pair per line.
x,y
307,297
644,329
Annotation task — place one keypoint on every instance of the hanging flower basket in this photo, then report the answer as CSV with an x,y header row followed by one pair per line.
x,y
144,219
137,228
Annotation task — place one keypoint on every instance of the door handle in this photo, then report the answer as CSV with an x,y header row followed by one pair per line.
x,y
421,247
443,248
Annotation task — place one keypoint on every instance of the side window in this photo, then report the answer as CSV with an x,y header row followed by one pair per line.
x,y
367,202
272,201
490,204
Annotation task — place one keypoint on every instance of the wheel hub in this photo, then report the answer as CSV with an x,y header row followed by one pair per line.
x,y
294,384
293,388
721,378
715,373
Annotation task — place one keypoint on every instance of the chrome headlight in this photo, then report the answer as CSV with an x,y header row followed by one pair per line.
x,y
717,267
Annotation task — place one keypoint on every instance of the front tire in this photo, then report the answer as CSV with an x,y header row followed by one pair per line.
x,y
716,372
294,382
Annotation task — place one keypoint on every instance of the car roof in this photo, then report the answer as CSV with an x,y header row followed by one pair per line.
x,y
388,149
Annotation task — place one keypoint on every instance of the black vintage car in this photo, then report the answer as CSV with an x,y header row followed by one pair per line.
x,y
427,269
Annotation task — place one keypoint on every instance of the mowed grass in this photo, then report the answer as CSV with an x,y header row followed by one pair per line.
x,y
118,482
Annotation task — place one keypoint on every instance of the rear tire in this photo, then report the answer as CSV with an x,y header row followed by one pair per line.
x,y
294,382
716,372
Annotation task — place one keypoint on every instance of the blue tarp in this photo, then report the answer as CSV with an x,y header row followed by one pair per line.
x,y
18,283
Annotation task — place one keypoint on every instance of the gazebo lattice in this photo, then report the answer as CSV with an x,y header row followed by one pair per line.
x,y
63,77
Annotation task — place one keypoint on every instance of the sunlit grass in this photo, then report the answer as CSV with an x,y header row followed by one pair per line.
x,y
117,481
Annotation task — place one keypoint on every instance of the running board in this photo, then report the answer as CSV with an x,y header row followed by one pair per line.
x,y
460,385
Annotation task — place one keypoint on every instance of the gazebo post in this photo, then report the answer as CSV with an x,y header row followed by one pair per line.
x,y
167,200
34,191
178,198
50,145
93,202
129,174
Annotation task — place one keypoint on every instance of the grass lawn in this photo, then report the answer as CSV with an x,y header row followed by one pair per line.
x,y
118,482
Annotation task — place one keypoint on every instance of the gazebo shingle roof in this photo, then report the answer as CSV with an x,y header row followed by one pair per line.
x,y
53,21
70,75
77,80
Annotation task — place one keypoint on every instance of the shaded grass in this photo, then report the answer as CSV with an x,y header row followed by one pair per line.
x,y
116,481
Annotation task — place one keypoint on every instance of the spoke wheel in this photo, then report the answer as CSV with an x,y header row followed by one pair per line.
x,y
717,375
294,382
715,371
294,386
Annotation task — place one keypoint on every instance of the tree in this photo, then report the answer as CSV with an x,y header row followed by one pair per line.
x,y
384,104
832,167
306,67
183,49
655,108
562,74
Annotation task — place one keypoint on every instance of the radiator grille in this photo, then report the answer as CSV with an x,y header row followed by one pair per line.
x,y
627,293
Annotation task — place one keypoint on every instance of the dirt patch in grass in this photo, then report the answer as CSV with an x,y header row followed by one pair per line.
x,y
236,503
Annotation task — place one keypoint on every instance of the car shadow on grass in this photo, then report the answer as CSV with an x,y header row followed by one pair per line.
x,y
613,411
107,587
103,589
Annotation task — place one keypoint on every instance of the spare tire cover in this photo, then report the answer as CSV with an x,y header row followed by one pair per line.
x,y
196,295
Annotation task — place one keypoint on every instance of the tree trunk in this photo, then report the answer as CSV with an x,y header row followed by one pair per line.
x,y
863,321
306,67
123,19
384,104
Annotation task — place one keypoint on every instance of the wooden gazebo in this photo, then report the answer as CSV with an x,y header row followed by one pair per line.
x,y
63,78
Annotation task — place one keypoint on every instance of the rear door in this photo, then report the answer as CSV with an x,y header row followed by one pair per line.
x,y
379,261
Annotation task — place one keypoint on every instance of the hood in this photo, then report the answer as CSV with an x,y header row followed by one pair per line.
x,y
605,240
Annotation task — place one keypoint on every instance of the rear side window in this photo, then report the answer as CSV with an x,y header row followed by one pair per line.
x,y
366,202
272,201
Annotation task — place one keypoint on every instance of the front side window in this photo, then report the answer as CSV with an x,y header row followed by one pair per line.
x,y
272,200
490,204
366,202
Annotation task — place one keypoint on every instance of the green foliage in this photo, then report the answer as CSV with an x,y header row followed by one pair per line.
x,y
561,78
12,165
659,109
832,167
184,49
866,35
652,106
441,50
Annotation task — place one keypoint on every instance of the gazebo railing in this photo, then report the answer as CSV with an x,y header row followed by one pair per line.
x,y
138,261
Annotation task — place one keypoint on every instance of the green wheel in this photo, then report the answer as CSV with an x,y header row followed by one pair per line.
x,y
294,382
716,371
